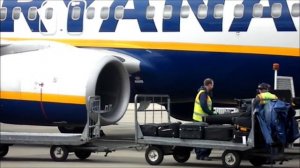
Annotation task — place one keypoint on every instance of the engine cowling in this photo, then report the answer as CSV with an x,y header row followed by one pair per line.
x,y
50,83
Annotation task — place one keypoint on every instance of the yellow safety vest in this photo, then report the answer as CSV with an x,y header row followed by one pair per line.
x,y
198,111
265,97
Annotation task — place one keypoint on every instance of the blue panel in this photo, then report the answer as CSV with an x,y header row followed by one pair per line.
x,y
180,73
29,112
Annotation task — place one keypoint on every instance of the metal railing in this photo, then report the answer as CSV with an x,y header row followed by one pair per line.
x,y
145,104
93,124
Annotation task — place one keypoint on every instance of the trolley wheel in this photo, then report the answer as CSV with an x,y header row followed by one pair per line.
x,y
3,150
231,159
59,153
154,155
181,157
257,161
82,154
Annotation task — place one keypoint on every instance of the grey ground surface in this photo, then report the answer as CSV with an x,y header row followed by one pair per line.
x,y
21,156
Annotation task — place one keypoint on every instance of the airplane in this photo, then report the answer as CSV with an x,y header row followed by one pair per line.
x,y
55,54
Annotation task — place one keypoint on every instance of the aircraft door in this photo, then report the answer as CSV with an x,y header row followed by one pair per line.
x,y
48,18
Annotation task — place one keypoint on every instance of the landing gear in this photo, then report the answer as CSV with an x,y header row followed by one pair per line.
x,y
59,153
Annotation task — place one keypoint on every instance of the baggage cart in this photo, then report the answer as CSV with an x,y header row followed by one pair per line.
x,y
158,147
61,144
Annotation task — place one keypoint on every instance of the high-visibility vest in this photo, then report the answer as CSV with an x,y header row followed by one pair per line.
x,y
265,97
198,111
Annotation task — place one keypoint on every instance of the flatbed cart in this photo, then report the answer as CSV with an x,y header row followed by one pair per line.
x,y
62,143
181,148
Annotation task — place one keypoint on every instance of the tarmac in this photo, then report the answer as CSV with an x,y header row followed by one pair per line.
x,y
21,156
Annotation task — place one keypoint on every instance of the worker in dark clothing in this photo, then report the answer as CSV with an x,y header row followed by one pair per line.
x,y
202,108
264,95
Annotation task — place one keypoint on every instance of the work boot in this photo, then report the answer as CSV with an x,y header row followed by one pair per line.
x,y
204,158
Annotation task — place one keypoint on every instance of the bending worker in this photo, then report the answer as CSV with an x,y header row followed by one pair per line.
x,y
203,107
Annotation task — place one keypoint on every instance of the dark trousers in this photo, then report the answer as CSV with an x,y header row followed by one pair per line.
x,y
202,152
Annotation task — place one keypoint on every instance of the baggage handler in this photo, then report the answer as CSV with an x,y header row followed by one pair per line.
x,y
264,95
202,108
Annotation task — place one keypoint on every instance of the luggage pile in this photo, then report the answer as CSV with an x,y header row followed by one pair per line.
x,y
196,130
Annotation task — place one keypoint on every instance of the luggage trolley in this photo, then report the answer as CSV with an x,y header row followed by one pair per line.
x,y
180,148
62,143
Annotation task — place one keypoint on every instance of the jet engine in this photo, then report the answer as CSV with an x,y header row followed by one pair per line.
x,y
47,83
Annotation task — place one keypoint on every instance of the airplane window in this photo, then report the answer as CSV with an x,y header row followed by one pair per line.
x,y
49,13
168,12
239,11
276,10
16,13
32,13
296,10
104,13
202,11
185,11
76,13
257,10
218,12
119,12
90,14
150,12
3,13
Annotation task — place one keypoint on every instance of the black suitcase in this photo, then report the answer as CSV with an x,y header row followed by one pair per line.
x,y
149,129
221,118
192,130
243,121
218,132
238,136
168,130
